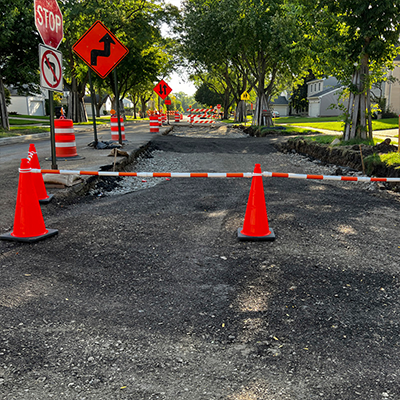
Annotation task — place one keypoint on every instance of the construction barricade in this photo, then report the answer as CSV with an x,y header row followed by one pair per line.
x,y
65,139
201,115
114,128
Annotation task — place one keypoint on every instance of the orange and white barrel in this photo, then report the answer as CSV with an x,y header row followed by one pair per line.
x,y
177,117
65,138
154,124
114,128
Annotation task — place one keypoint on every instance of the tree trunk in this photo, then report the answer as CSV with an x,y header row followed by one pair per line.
x,y
76,106
241,112
262,115
5,123
359,109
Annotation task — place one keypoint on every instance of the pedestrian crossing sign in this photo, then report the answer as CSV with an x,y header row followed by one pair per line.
x,y
245,96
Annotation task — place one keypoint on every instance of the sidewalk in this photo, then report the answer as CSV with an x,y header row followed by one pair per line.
x,y
137,137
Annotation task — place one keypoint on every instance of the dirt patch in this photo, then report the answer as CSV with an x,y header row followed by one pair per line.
x,y
346,156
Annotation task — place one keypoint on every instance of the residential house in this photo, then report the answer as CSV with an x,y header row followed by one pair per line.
x,y
32,104
391,90
281,105
323,97
105,108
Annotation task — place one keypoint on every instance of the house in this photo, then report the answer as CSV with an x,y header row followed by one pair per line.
x,y
281,105
391,89
105,108
323,97
32,104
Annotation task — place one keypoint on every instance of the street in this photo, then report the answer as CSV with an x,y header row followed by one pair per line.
x,y
150,295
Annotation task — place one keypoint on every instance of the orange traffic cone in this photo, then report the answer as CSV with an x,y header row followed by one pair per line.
x,y
28,220
37,178
255,225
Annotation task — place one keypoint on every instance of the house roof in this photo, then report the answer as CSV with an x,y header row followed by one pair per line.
x,y
325,92
88,99
280,100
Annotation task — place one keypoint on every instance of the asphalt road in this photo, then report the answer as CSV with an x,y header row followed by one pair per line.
x,y
150,295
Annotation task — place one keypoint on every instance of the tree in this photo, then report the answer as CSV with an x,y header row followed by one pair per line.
x,y
354,40
136,23
19,63
206,96
251,44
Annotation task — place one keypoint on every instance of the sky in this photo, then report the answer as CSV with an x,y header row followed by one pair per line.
x,y
177,81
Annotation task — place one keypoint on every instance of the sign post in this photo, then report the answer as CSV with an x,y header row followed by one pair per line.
x,y
49,23
102,52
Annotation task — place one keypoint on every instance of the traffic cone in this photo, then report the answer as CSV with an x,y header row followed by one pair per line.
x,y
28,220
37,178
255,227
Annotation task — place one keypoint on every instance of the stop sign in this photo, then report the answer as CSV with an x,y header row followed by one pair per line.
x,y
49,22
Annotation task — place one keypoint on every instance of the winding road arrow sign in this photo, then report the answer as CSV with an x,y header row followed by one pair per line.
x,y
100,49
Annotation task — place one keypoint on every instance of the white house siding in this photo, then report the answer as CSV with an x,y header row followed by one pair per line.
x,y
392,90
282,109
27,105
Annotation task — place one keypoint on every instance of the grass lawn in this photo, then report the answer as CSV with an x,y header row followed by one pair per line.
x,y
334,123
21,131
27,121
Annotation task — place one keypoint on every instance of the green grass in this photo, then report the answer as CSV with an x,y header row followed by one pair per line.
x,y
46,117
334,123
21,131
26,121
389,159
304,120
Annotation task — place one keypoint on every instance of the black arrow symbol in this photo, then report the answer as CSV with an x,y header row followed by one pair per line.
x,y
107,39
52,67
165,89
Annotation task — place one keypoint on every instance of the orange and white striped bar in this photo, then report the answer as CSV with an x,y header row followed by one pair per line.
x,y
217,175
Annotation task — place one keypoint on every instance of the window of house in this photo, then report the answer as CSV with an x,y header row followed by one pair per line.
x,y
311,88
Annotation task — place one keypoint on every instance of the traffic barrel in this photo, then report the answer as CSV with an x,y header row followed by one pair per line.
x,y
154,124
177,117
65,139
114,128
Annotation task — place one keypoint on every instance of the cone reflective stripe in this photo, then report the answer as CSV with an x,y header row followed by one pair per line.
x,y
114,128
255,226
38,178
28,219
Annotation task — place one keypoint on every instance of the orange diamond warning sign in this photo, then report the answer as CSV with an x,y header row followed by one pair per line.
x,y
100,49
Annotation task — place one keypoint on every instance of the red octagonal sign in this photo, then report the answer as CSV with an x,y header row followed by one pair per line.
x,y
49,22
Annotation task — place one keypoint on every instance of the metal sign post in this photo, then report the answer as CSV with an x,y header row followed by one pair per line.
x,y
117,101
52,132
93,95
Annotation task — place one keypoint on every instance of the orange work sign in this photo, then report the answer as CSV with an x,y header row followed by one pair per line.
x,y
100,49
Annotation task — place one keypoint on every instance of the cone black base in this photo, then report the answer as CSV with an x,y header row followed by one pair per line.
x,y
66,158
48,200
33,239
270,237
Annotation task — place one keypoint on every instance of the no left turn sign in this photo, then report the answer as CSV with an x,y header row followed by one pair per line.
x,y
50,61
